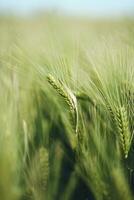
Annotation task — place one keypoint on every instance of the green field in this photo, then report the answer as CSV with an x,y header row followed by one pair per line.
x,y
66,108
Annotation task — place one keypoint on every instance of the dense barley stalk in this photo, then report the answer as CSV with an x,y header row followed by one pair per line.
x,y
123,129
41,157
68,96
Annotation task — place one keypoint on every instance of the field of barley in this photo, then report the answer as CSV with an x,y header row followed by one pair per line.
x,y
66,108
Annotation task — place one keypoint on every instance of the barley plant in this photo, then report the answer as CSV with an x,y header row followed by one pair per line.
x,y
67,109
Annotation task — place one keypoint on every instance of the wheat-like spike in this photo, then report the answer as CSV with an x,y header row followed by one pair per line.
x,y
44,166
123,129
130,105
68,96
38,174
84,97
109,108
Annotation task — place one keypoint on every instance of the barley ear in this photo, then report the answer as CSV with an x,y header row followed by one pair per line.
x,y
44,166
38,174
123,129
68,97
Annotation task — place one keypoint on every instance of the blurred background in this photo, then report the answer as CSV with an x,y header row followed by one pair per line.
x,y
92,8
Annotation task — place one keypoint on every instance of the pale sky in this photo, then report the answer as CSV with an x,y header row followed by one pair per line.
x,y
75,7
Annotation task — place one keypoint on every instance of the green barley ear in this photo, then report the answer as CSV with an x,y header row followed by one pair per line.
x,y
68,96
84,97
44,166
123,129
129,97
37,175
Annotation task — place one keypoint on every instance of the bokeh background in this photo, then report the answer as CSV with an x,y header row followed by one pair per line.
x,y
93,8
